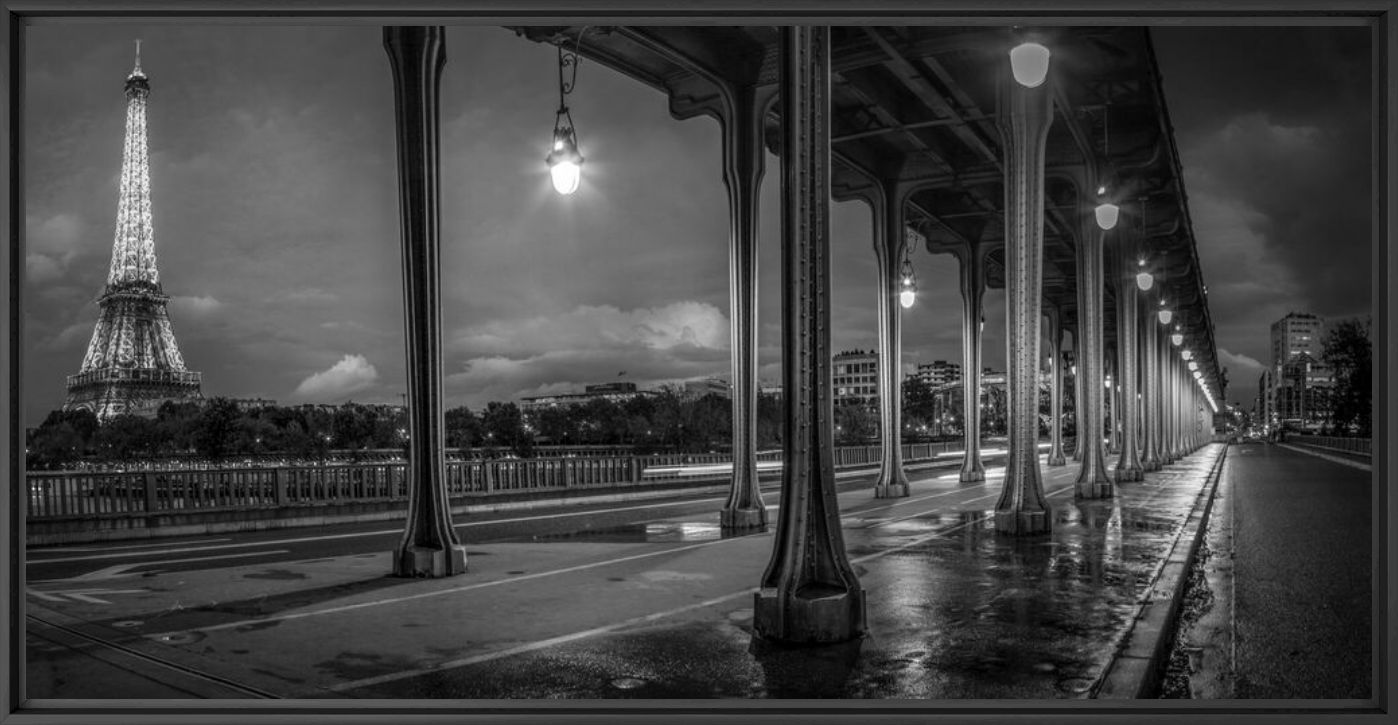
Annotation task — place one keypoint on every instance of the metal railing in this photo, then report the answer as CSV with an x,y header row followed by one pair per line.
x,y
1352,445
102,494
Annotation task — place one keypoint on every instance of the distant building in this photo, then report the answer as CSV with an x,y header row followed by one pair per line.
x,y
855,377
938,372
1298,384
708,386
246,404
619,392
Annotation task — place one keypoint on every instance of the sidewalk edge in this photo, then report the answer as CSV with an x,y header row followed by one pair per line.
x,y
1135,669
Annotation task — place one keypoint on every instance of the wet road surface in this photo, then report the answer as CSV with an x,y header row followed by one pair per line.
x,y
1302,529
659,605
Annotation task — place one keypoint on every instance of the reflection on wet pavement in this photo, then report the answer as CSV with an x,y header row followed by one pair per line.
x,y
965,614
649,533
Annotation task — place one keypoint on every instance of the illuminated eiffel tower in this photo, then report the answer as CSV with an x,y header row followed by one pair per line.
x,y
132,363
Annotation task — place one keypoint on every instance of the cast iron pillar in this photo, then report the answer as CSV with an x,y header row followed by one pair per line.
x,y
1077,383
1092,481
1113,424
1055,335
1128,465
429,547
1024,120
1150,389
809,593
970,260
890,240
741,117
1162,413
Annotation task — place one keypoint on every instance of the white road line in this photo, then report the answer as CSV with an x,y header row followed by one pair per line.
x,y
120,570
574,636
65,549
463,588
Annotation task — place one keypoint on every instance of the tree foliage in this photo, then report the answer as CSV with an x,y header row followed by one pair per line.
x,y
1349,353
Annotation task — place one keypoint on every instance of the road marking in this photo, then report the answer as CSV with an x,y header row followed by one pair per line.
x,y
120,570
470,587
643,619
65,549
81,595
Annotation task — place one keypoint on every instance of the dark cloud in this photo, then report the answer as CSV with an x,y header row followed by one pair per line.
x,y
276,219
1274,131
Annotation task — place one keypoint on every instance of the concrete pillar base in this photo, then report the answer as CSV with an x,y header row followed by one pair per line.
x,y
1094,491
972,476
422,562
736,519
892,490
1059,461
813,614
1022,523
1129,474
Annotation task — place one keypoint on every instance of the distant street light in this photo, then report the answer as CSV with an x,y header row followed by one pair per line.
x,y
1144,279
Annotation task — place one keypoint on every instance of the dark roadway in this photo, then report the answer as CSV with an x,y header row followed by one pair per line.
x,y
1303,570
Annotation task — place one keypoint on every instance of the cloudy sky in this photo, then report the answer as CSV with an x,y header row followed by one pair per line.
x,y
276,220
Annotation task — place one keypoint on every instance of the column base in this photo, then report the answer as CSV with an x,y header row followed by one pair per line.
x,y
1095,490
737,519
1150,466
1129,474
813,614
973,475
892,490
1022,523
1059,461
421,562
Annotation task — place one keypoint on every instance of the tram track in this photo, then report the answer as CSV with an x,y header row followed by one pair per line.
x,y
236,689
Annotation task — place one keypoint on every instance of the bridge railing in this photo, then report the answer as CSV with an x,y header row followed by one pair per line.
x,y
83,494
1352,445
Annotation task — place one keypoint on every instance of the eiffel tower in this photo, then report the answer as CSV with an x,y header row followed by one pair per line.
x,y
132,363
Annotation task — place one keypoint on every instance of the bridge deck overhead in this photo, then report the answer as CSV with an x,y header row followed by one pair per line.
x,y
918,105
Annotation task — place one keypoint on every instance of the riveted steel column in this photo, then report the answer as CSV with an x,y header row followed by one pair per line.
x,y
429,547
1113,395
743,167
1150,388
1128,465
1162,414
1092,481
1024,122
890,239
1055,335
971,262
1077,382
809,592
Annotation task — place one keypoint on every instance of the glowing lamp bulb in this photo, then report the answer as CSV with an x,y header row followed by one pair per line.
x,y
1107,214
1193,366
907,297
1107,383
565,163
1144,280
1177,339
1186,354
1165,316
1029,62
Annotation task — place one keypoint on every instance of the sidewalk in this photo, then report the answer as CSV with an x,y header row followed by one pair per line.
x,y
663,609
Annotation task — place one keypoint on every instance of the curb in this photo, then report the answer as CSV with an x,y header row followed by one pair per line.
x,y
1135,669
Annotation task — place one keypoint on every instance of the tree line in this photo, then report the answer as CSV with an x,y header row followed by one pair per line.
x,y
668,420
